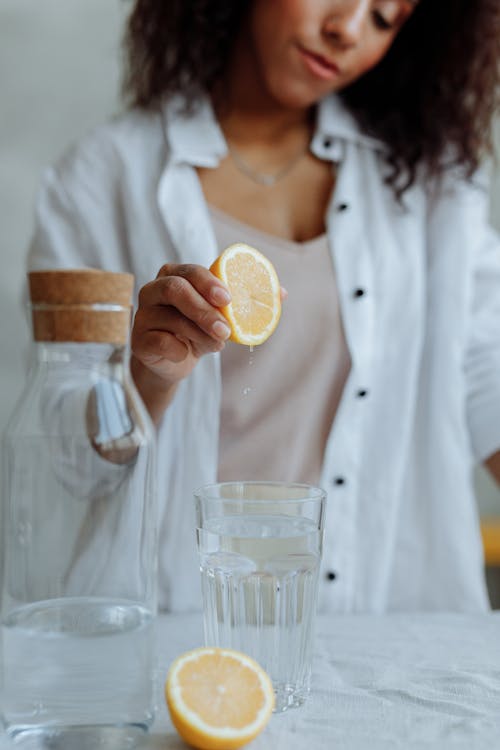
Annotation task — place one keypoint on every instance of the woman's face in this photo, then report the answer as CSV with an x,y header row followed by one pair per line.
x,y
306,49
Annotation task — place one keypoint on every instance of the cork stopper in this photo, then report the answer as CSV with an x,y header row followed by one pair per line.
x,y
85,305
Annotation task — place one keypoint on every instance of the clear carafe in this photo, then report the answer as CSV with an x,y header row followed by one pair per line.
x,y
78,595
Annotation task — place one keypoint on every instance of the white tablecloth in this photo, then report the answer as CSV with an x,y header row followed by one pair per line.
x,y
406,682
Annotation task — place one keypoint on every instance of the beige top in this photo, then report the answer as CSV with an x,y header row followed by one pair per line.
x,y
279,401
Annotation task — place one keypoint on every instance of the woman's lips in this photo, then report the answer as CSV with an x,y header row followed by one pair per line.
x,y
318,65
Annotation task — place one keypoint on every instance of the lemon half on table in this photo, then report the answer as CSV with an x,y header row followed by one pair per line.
x,y
218,699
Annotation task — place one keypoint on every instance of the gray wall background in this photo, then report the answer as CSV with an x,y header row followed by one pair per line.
x,y
59,76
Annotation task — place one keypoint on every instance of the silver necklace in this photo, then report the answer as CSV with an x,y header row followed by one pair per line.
x,y
264,178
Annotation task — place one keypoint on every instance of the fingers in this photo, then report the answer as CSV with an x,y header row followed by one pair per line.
x,y
155,346
194,292
178,319
205,283
164,330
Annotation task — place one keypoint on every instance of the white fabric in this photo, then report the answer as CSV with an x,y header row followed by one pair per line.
x,y
402,682
393,682
402,530
424,682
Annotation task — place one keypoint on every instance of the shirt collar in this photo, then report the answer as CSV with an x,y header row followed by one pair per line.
x,y
194,136
336,126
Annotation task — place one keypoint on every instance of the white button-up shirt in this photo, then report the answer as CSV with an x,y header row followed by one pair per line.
x,y
419,289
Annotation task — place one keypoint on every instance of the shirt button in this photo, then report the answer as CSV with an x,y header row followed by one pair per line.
x,y
358,292
330,575
338,481
362,393
342,206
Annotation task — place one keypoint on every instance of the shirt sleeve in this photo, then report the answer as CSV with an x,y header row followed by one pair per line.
x,y
60,238
482,356
79,213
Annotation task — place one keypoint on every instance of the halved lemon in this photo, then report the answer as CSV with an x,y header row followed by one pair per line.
x,y
218,699
255,307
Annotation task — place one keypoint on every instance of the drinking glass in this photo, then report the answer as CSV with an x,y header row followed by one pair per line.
x,y
260,547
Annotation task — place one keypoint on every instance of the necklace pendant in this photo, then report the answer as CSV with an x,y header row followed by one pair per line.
x,y
267,179
261,178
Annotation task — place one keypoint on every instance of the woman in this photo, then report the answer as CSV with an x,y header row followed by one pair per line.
x,y
343,138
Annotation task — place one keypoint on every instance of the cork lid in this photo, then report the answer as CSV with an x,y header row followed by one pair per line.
x,y
81,286
87,305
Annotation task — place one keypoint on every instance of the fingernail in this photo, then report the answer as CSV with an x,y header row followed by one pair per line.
x,y
220,296
221,330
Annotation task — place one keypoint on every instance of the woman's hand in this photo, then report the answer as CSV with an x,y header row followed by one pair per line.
x,y
176,323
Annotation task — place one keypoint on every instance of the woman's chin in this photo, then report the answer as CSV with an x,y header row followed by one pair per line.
x,y
296,96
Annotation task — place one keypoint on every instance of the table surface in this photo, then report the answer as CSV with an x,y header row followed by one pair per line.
x,y
379,682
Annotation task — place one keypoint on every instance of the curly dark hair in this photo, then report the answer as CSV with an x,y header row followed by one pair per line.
x,y
431,100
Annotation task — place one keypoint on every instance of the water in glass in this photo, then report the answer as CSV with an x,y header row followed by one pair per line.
x,y
78,663
259,581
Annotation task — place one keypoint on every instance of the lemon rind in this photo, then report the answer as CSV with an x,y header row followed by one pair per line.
x,y
190,717
238,336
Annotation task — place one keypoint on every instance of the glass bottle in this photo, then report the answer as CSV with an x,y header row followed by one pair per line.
x,y
78,594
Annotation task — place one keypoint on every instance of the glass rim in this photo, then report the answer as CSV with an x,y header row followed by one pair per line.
x,y
315,492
